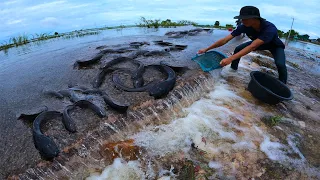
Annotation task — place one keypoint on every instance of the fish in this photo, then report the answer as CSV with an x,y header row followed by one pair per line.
x,y
116,106
87,104
156,88
47,148
67,121
137,75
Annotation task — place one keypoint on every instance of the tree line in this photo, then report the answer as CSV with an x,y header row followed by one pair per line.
x,y
294,35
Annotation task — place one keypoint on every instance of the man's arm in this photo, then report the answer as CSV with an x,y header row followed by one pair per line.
x,y
253,46
218,43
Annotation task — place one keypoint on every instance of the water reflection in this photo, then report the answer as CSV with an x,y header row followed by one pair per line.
x,y
305,46
53,44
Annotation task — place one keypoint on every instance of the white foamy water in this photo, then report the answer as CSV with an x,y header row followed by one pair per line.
x,y
214,165
120,170
223,125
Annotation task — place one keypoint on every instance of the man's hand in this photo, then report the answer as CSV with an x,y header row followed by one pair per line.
x,y
225,61
201,51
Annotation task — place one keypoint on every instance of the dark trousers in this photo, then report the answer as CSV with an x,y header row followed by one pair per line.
x,y
278,55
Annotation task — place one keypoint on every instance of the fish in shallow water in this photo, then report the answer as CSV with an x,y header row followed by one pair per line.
x,y
156,89
47,148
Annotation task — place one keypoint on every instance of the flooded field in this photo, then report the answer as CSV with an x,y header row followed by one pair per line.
x,y
208,127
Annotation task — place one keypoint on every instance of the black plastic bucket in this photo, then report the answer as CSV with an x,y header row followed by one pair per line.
x,y
268,89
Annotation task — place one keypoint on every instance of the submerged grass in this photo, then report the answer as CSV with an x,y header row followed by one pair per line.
x,y
272,120
20,40
25,39
148,23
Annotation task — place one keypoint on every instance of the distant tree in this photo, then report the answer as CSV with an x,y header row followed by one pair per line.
x,y
217,24
166,23
280,33
304,37
186,22
156,23
292,34
229,26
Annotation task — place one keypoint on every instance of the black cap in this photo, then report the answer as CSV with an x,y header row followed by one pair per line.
x,y
248,12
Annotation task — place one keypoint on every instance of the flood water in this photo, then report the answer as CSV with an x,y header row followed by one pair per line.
x,y
305,46
28,71
221,123
225,128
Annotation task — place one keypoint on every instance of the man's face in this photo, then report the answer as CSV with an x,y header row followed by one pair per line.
x,y
247,22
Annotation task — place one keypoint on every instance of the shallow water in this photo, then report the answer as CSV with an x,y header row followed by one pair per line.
x,y
305,46
26,71
224,126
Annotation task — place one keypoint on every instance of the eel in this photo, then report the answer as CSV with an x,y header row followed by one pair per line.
x,y
85,63
162,88
176,35
100,78
138,44
118,107
119,85
87,104
116,61
162,43
47,148
106,69
98,57
67,121
32,115
115,106
156,89
177,69
138,53
70,94
137,75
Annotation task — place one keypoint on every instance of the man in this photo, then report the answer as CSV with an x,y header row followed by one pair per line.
x,y
238,22
264,36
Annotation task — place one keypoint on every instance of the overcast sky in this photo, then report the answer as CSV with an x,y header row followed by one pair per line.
x,y
40,16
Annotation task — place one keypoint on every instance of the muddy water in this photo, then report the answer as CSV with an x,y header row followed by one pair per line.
x,y
27,71
305,46
221,134
219,124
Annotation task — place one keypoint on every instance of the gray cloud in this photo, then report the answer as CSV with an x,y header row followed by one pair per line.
x,y
36,16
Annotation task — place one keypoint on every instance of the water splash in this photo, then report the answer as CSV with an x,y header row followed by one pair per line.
x,y
138,119
120,170
154,113
66,170
222,125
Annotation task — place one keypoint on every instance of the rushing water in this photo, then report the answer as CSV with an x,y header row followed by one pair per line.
x,y
223,125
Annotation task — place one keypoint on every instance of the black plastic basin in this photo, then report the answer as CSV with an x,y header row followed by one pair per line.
x,y
268,89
